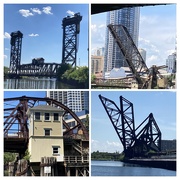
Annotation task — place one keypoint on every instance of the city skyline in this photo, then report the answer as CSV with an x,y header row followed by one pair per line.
x,y
157,32
75,100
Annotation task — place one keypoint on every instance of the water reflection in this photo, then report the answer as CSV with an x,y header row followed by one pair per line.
x,y
30,83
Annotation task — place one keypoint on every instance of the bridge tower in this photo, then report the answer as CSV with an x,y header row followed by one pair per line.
x,y
136,141
15,55
71,29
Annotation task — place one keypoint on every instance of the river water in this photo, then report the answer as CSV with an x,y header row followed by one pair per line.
x,y
117,168
35,83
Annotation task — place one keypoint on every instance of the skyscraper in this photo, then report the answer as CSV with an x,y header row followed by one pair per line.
x,y
129,17
171,63
75,100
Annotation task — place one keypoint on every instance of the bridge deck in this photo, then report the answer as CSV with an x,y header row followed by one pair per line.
x,y
15,144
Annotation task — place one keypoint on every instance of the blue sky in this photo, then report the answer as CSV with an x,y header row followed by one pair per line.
x,y
12,94
157,32
161,103
41,25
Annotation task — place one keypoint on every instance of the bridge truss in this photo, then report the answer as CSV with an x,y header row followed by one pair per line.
x,y
136,141
16,120
71,29
44,70
15,54
147,78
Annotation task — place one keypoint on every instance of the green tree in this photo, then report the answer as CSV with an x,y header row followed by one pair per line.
x,y
6,69
9,157
27,155
62,69
78,74
93,77
170,80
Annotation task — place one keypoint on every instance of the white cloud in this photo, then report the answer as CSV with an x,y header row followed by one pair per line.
x,y
33,35
25,12
5,56
115,144
102,26
7,35
70,13
150,20
170,51
98,35
36,10
107,146
33,11
158,35
93,27
47,10
153,58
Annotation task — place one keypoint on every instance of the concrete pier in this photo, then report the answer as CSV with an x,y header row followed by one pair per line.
x,y
169,164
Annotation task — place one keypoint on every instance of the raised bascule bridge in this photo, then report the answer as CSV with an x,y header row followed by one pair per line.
x,y
138,142
38,67
144,77
141,76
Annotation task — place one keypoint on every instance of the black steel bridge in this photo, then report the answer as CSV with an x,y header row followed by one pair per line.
x,y
136,141
38,68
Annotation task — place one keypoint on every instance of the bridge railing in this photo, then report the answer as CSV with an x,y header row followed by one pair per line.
x,y
76,159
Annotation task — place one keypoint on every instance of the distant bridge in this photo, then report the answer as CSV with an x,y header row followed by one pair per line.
x,y
123,83
40,70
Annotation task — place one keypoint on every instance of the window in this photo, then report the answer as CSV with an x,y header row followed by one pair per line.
x,y
71,124
56,116
47,132
56,150
37,115
47,117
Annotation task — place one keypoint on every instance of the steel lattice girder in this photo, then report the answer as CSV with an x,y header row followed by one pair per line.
x,y
15,54
150,134
129,50
122,119
45,69
71,28
19,112
123,122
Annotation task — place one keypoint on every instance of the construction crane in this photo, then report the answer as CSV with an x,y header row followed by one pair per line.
x,y
147,78
137,142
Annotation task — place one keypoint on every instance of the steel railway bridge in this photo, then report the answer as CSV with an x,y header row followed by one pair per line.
x,y
136,141
146,78
38,68
16,130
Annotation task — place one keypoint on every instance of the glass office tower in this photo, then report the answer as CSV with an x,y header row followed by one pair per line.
x,y
129,17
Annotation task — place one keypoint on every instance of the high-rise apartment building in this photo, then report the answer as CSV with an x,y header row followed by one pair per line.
x,y
171,63
75,100
97,63
98,52
128,17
